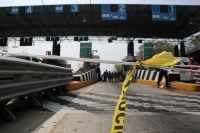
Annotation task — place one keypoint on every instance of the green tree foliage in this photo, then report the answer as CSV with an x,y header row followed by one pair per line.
x,y
193,43
82,69
159,47
118,68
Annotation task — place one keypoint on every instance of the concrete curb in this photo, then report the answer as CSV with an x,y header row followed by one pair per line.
x,y
77,85
185,86
176,85
49,125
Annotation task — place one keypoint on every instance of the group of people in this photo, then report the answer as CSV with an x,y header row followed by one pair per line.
x,y
109,76
163,72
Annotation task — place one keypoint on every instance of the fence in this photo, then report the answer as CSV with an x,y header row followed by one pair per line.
x,y
90,75
147,75
22,78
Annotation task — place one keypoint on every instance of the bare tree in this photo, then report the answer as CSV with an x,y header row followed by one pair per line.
x,y
194,43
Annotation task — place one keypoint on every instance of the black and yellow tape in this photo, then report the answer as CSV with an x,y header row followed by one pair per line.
x,y
162,59
118,118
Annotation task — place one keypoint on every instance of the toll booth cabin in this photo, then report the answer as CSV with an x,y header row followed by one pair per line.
x,y
126,68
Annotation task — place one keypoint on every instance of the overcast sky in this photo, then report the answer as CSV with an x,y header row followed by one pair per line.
x,y
52,2
107,51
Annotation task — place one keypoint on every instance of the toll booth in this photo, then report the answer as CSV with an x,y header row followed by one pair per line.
x,y
126,68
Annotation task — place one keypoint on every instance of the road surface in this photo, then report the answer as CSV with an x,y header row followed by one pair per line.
x,y
148,110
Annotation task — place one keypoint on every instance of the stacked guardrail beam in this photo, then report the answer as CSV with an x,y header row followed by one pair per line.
x,y
20,77
24,79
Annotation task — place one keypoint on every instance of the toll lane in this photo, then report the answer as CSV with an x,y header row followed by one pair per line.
x,y
148,109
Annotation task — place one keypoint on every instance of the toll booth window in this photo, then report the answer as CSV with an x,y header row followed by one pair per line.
x,y
164,9
113,8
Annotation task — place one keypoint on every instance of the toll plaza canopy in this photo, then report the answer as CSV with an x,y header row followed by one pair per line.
x,y
138,21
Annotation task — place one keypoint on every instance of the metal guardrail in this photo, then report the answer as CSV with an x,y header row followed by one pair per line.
x,y
22,78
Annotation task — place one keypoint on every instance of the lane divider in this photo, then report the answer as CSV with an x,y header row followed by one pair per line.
x,y
175,85
77,84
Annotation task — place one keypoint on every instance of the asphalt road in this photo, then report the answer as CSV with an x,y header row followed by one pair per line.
x,y
90,110
148,110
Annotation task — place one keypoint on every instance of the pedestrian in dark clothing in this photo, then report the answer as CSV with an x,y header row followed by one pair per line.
x,y
119,76
115,76
106,76
112,76
109,76
163,72
98,73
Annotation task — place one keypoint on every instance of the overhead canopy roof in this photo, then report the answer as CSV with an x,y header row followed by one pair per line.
x,y
45,22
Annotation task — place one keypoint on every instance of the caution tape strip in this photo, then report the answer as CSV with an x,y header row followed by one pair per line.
x,y
118,118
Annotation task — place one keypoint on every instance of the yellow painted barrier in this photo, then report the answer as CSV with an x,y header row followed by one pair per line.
x,y
185,86
77,84
176,85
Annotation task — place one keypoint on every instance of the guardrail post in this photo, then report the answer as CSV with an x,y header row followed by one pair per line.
x,y
37,103
31,100
11,116
59,91
50,95
6,113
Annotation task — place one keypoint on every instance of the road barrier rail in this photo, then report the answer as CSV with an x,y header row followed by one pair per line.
x,y
22,78
90,75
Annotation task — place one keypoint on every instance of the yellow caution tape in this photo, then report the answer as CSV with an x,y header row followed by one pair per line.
x,y
118,118
162,59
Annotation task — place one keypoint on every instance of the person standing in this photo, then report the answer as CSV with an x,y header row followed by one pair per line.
x,y
119,76
114,76
163,72
105,75
98,73
109,76
192,62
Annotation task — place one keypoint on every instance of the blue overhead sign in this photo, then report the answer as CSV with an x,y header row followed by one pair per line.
x,y
14,10
74,8
66,8
164,12
59,8
29,9
113,12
